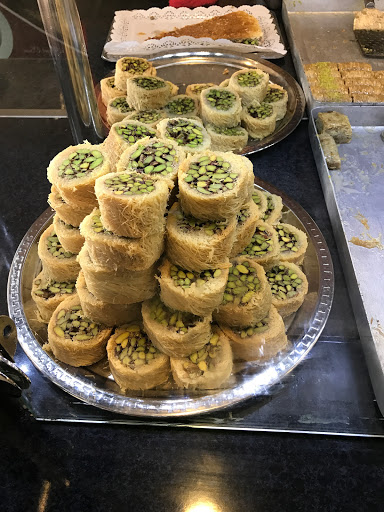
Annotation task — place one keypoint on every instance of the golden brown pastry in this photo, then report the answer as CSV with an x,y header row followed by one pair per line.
x,y
47,294
58,264
289,287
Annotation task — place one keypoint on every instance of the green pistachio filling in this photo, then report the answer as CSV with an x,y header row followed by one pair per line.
x,y
129,184
134,66
184,132
283,281
53,288
180,106
197,88
66,226
178,321
147,116
80,163
186,278
201,361
287,239
72,324
256,198
260,244
133,347
187,223
242,284
155,158
232,132
121,105
111,83
221,100
148,83
131,133
263,111
211,175
270,208
98,227
56,249
259,328
243,215
249,79
273,95
253,42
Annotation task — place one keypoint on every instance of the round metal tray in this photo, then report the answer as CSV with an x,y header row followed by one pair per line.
x,y
190,67
94,384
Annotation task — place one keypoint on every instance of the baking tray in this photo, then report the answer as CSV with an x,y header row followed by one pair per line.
x,y
317,33
354,197
189,67
94,386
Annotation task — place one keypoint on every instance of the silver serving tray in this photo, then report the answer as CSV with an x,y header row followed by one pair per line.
x,y
95,386
189,67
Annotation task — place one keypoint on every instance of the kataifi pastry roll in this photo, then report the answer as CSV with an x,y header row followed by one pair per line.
x,y
245,228
58,264
289,287
227,139
336,125
198,245
117,286
250,84
118,109
293,243
128,67
175,333
207,368
196,292
73,338
108,249
272,213
259,342
264,245
145,93
69,236
181,106
69,213
277,96
134,361
194,90
150,117
259,120
215,185
74,171
260,200
172,87
105,312
189,134
132,204
154,158
109,90
247,295
47,294
220,107
224,83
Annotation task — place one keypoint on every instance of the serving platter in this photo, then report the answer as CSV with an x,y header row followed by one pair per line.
x,y
94,384
188,67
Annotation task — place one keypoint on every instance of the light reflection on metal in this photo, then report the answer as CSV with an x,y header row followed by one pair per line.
x,y
203,505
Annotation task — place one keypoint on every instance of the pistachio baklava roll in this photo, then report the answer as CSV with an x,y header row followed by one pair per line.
x,y
181,106
104,312
289,287
117,286
250,84
189,134
172,87
69,236
128,67
58,264
69,213
195,292
277,96
224,83
247,295
264,246
118,109
272,213
145,93
108,249
259,120
259,342
207,368
260,200
175,333
227,139
74,171
198,245
132,204
73,338
245,227
215,185
109,91
194,90
220,107
150,117
293,243
47,294
134,361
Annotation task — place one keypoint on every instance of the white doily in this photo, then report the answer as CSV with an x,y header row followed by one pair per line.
x,y
131,29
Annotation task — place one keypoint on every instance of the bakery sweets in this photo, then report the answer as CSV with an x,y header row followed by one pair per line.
x,y
181,106
227,139
145,93
289,286
109,90
128,67
277,96
331,153
274,207
47,294
69,213
150,117
220,106
264,245
117,109
335,124
245,228
69,236
58,264
368,27
259,120
189,134
250,84
293,243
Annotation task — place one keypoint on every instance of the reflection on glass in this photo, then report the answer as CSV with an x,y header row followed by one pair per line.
x,y
203,505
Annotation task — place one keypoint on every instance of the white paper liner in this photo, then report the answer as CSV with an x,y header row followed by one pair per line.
x,y
131,29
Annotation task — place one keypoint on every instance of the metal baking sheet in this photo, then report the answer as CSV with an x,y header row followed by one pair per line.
x,y
354,196
94,385
317,32
191,67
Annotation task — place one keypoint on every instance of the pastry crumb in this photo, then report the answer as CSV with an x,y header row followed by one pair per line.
x,y
226,71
